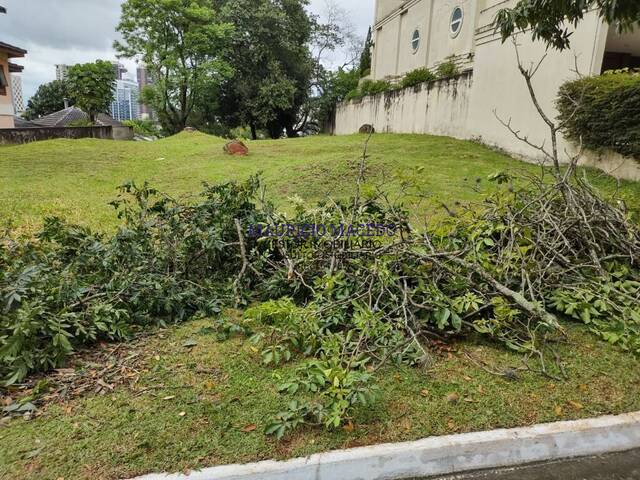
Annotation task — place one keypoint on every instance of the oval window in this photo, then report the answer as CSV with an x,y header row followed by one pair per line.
x,y
415,40
455,25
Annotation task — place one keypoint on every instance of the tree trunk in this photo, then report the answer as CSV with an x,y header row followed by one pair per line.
x,y
254,133
291,131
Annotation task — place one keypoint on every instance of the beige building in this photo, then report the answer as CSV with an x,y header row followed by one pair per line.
x,y
8,52
7,68
410,34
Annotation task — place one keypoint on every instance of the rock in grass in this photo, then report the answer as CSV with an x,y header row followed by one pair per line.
x,y
236,148
367,128
453,398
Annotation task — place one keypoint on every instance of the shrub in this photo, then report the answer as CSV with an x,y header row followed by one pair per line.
x,y
143,127
70,287
608,112
373,87
369,87
448,69
353,94
417,76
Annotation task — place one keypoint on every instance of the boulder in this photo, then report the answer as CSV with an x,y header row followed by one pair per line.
x,y
367,129
236,148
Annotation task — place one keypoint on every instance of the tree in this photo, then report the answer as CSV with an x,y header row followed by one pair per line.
x,y
182,43
365,58
49,98
333,34
549,20
335,87
270,54
91,87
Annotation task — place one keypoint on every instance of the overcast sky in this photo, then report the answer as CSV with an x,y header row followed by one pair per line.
x,y
75,31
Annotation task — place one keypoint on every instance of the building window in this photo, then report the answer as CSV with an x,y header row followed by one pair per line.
x,y
4,83
415,40
455,25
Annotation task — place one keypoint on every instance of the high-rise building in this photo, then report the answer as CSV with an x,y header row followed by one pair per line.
x,y
16,93
125,105
119,70
62,71
144,80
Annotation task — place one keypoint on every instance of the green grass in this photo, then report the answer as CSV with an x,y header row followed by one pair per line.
x,y
222,387
126,433
76,179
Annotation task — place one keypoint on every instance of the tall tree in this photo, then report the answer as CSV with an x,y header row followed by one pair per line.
x,y
91,87
273,66
182,43
336,50
49,98
549,20
365,58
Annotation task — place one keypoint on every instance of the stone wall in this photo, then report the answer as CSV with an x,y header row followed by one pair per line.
x,y
26,135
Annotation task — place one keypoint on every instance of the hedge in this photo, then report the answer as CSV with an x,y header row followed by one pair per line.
x,y
608,112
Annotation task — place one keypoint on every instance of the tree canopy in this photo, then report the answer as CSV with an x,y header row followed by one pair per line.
x,y
91,87
550,20
365,58
49,98
269,51
182,43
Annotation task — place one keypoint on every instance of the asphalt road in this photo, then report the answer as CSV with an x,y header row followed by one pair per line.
x,y
618,466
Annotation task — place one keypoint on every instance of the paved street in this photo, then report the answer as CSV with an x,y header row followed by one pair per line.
x,y
620,466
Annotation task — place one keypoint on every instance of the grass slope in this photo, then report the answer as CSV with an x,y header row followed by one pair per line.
x,y
76,179
221,388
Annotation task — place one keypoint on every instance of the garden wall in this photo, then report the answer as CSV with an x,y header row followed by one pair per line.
x,y
27,135
439,108
462,107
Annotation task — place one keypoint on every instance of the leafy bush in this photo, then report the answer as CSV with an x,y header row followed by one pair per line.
x,y
369,87
70,287
417,76
145,128
603,112
505,270
373,87
448,69
353,94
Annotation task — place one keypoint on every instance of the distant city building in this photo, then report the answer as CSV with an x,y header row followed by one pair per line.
x,y
144,80
62,71
119,70
16,93
126,104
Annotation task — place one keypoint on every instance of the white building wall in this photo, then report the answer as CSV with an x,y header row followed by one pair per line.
x,y
499,86
17,94
464,107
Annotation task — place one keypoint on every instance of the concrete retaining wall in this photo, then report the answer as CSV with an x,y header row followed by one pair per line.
x,y
457,108
439,108
26,135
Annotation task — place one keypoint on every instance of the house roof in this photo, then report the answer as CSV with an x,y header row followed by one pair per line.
x,y
15,68
14,52
66,117
22,123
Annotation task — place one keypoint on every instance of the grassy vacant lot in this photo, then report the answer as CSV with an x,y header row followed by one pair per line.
x,y
179,399
77,178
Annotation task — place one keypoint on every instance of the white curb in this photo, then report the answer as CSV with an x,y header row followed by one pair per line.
x,y
443,455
